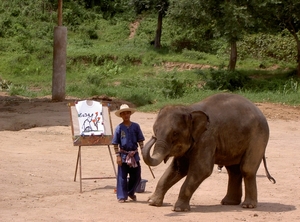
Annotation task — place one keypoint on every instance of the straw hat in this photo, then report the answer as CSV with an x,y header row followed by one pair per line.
x,y
124,108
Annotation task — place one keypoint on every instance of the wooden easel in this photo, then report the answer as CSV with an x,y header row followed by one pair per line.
x,y
93,140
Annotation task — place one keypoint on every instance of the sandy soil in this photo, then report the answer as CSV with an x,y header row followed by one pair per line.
x,y
38,162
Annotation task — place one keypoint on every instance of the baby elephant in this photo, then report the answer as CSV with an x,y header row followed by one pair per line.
x,y
223,129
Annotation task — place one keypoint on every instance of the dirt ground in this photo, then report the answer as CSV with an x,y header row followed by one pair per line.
x,y
38,160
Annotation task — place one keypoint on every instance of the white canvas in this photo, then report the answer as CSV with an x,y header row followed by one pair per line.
x,y
90,118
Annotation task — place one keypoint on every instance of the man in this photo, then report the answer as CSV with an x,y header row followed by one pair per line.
x,y
128,135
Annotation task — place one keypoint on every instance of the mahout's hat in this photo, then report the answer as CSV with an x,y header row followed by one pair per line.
x,y
124,108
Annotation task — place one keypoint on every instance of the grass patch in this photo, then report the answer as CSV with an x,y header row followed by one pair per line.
x,y
103,60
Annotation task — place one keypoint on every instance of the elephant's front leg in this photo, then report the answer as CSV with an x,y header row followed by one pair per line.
x,y
196,175
172,175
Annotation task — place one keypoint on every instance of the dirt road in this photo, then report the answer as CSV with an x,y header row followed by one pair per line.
x,y
37,172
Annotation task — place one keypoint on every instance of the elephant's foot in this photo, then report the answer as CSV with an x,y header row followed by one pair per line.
x,y
155,201
230,201
249,204
181,206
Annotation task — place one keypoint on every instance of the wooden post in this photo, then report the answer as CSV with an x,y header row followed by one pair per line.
x,y
59,58
59,13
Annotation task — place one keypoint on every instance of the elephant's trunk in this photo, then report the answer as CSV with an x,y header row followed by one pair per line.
x,y
155,159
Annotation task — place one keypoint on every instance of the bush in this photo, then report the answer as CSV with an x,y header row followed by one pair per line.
x,y
262,46
173,87
193,55
140,99
4,84
226,80
291,86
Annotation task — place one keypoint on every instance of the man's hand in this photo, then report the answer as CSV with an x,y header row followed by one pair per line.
x,y
119,160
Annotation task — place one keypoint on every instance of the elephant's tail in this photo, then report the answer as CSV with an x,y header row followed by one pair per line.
x,y
267,172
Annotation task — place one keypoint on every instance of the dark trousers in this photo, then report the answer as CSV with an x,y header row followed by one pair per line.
x,y
127,188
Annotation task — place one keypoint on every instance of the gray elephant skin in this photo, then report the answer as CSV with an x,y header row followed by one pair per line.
x,y
224,129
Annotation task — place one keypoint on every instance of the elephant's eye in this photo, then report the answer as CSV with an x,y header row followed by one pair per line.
x,y
175,137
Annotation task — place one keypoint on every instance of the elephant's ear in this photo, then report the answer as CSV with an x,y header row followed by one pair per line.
x,y
199,123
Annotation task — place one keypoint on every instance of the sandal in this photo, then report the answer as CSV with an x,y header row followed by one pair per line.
x,y
132,197
121,201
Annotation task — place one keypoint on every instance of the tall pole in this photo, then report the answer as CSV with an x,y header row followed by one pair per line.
x,y
59,13
59,58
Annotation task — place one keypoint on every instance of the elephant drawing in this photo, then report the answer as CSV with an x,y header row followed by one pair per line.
x,y
224,129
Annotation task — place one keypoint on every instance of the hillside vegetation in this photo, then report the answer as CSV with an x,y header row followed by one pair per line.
x,y
112,55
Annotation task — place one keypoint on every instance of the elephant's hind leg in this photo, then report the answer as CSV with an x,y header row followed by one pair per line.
x,y
249,169
234,189
250,187
250,192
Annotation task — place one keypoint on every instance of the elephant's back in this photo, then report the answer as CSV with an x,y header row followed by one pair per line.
x,y
236,125
226,103
233,111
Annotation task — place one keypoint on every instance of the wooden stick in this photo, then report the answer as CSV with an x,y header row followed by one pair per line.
x,y
151,172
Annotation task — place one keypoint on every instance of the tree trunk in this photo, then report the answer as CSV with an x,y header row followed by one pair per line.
x,y
233,56
158,31
298,56
294,34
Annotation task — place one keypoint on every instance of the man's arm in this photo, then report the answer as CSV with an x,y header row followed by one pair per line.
x,y
141,144
116,148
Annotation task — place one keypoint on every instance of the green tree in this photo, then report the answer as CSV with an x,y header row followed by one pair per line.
x,y
159,6
229,19
276,15
232,21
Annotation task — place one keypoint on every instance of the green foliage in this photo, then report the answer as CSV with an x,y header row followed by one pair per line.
x,y
141,6
181,38
240,81
226,80
5,85
146,30
99,76
193,55
21,90
291,86
103,60
173,86
262,46
139,96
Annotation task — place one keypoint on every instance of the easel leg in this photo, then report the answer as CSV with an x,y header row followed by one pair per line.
x,y
80,173
78,155
112,161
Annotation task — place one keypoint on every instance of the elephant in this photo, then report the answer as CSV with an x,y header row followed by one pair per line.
x,y
224,129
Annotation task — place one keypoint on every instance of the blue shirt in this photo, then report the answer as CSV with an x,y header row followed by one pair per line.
x,y
127,138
